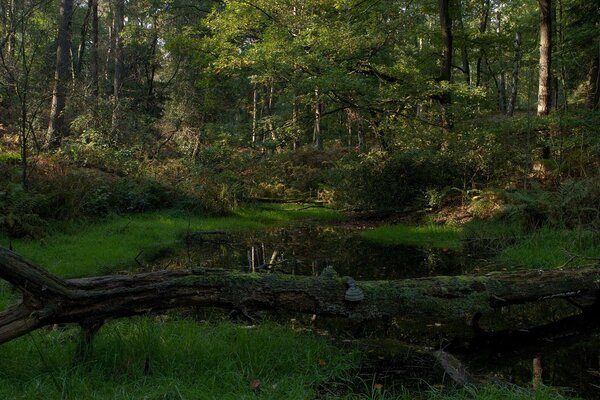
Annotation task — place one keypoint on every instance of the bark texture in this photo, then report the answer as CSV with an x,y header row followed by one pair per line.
x,y
91,301
512,100
118,23
445,98
57,127
545,81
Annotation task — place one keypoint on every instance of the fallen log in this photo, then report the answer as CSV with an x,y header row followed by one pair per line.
x,y
47,299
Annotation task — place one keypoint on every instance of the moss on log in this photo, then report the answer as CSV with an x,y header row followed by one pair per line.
x,y
48,299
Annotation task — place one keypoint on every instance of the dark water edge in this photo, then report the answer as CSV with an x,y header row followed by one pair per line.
x,y
570,357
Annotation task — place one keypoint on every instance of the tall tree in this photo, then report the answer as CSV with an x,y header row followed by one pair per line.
x,y
57,127
118,23
83,37
483,23
466,68
95,62
446,61
545,76
512,100
593,78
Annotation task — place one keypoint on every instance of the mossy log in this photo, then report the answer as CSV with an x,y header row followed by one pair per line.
x,y
89,302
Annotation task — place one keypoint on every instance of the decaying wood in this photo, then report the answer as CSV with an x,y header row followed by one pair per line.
x,y
48,299
455,369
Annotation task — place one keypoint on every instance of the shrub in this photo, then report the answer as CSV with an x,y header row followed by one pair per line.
x,y
379,181
18,212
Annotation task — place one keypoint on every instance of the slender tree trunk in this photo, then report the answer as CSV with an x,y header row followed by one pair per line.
x,y
545,78
317,125
360,134
94,51
254,113
12,22
83,37
483,23
295,127
151,75
445,97
118,62
502,94
593,92
466,68
512,101
270,109
57,128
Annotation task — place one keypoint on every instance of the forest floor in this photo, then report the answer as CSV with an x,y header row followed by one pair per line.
x,y
189,355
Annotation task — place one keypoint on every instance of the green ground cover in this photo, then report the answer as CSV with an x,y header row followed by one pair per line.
x,y
176,358
509,244
551,248
433,236
146,358
85,250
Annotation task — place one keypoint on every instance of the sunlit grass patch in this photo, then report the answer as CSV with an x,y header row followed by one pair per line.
x,y
432,236
550,248
145,358
81,250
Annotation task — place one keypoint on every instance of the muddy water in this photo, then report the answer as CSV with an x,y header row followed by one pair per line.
x,y
570,361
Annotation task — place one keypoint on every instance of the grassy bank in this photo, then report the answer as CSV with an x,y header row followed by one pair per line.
x,y
508,243
431,236
550,248
80,250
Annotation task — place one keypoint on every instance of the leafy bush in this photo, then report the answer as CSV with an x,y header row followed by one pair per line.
x,y
18,212
576,203
10,158
379,181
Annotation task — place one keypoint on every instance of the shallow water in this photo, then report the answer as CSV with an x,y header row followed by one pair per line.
x,y
308,249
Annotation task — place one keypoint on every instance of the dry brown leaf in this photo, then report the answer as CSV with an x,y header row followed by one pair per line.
x,y
255,384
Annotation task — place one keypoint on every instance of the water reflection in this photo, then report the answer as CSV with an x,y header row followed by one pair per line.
x,y
307,250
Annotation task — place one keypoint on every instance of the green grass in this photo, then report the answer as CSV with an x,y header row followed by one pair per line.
x,y
84,250
191,360
187,360
550,248
431,236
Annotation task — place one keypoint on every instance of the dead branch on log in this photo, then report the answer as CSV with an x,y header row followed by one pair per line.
x,y
48,299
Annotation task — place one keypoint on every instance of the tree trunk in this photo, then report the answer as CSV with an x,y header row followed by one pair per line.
x,y
466,68
512,101
12,27
119,18
254,113
95,72
544,95
91,301
445,77
317,123
57,128
483,23
502,93
83,37
593,89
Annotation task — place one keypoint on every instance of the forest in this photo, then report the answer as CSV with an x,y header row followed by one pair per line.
x,y
286,199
